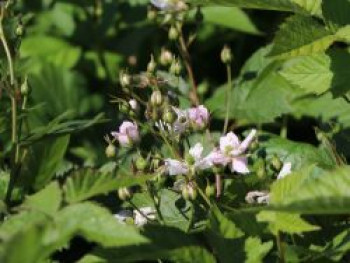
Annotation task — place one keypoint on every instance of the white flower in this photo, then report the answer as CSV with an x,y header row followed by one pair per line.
x,y
231,152
134,105
195,162
175,167
260,197
123,215
286,169
169,5
140,217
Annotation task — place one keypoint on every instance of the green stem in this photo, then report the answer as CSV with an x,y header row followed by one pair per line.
x,y
187,60
206,199
284,130
228,96
280,247
14,128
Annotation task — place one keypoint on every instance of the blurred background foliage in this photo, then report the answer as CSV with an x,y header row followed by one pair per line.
x,y
73,51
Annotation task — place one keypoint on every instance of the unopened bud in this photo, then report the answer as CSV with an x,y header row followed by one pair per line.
x,y
166,57
124,193
173,33
25,89
276,163
156,98
124,79
169,116
260,168
210,191
110,150
141,164
151,66
134,105
124,107
19,30
152,14
175,67
226,55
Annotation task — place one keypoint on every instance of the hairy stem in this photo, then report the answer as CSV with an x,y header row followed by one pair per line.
x,y
228,96
187,60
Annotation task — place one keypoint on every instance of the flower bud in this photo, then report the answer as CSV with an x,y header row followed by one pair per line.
x,y
152,14
185,193
141,164
124,79
169,116
156,98
124,194
111,150
226,55
151,66
192,192
199,117
173,33
189,192
124,107
260,168
210,191
25,89
175,67
134,105
128,134
19,30
166,57
276,163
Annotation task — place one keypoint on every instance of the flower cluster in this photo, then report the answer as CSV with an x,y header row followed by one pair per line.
x,y
231,152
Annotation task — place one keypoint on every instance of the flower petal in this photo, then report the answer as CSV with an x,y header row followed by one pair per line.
x,y
196,151
286,169
175,167
247,141
240,165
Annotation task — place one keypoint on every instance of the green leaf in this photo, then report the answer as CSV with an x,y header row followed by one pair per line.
x,y
179,248
51,49
221,225
48,200
327,193
86,183
299,154
281,5
44,158
256,250
260,94
336,13
230,17
336,249
325,108
96,224
301,35
38,239
320,72
176,212
285,222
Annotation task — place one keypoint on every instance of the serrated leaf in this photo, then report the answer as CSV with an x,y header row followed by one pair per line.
x,y
229,17
301,35
86,183
52,49
256,250
282,5
319,72
336,13
179,248
327,193
48,200
299,154
43,160
37,239
285,222
223,226
176,212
